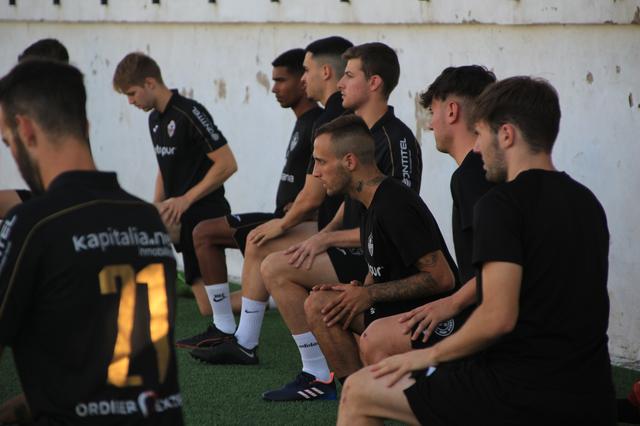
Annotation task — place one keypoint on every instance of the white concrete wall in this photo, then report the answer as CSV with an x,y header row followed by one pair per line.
x,y
220,54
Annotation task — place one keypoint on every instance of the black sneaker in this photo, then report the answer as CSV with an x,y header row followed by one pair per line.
x,y
305,387
210,337
227,352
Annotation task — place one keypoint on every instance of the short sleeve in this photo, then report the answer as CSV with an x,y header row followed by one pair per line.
x,y
412,232
497,230
17,274
204,130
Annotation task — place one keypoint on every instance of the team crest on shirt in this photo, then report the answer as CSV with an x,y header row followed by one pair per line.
x,y
293,143
171,128
445,328
370,244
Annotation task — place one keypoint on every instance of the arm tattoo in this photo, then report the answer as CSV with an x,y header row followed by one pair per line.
x,y
416,286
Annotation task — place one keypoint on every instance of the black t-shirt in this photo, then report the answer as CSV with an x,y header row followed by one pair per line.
x,y
24,194
556,229
182,137
468,185
398,155
87,303
333,109
395,232
297,159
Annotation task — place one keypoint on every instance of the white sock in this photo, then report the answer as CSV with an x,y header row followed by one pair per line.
x,y
272,303
313,361
248,332
221,305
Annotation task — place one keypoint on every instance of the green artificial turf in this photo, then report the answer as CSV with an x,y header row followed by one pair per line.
x,y
226,395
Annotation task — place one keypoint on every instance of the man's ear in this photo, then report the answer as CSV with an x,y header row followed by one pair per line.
x,y
452,112
150,83
507,134
327,72
25,128
375,83
350,161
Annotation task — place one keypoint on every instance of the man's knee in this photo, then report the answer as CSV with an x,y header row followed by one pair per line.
x,y
355,388
272,270
372,343
313,306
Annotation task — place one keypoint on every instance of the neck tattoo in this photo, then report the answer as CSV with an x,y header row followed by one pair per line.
x,y
359,186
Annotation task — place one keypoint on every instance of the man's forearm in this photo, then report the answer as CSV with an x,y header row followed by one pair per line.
x,y
158,194
214,179
417,286
475,335
465,296
343,238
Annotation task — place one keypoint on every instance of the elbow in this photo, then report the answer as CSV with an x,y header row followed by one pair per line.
x,y
503,324
232,169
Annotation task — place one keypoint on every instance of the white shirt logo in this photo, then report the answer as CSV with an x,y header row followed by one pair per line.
x,y
292,143
370,244
171,128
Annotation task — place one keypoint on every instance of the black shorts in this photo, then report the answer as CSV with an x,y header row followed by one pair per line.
x,y
244,223
192,217
348,263
469,391
444,329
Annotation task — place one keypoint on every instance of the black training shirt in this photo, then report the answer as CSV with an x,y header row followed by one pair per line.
x,y
182,137
468,185
329,207
556,229
396,231
398,155
87,303
298,153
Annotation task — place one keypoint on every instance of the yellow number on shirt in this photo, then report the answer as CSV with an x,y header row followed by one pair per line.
x,y
153,277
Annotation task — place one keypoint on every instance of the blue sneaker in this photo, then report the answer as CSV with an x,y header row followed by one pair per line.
x,y
305,387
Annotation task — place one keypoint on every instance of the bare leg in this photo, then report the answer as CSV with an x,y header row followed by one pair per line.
x,y
338,346
367,401
204,306
210,238
382,338
253,286
290,286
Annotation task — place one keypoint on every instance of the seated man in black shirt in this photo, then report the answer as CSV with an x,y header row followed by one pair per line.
x,y
534,351
47,48
193,156
449,100
335,254
87,274
323,67
212,236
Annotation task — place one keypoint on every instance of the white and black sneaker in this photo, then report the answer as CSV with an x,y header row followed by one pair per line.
x,y
305,387
226,352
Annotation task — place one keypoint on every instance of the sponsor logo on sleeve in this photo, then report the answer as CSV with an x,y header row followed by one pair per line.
x,y
206,123
405,161
5,242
